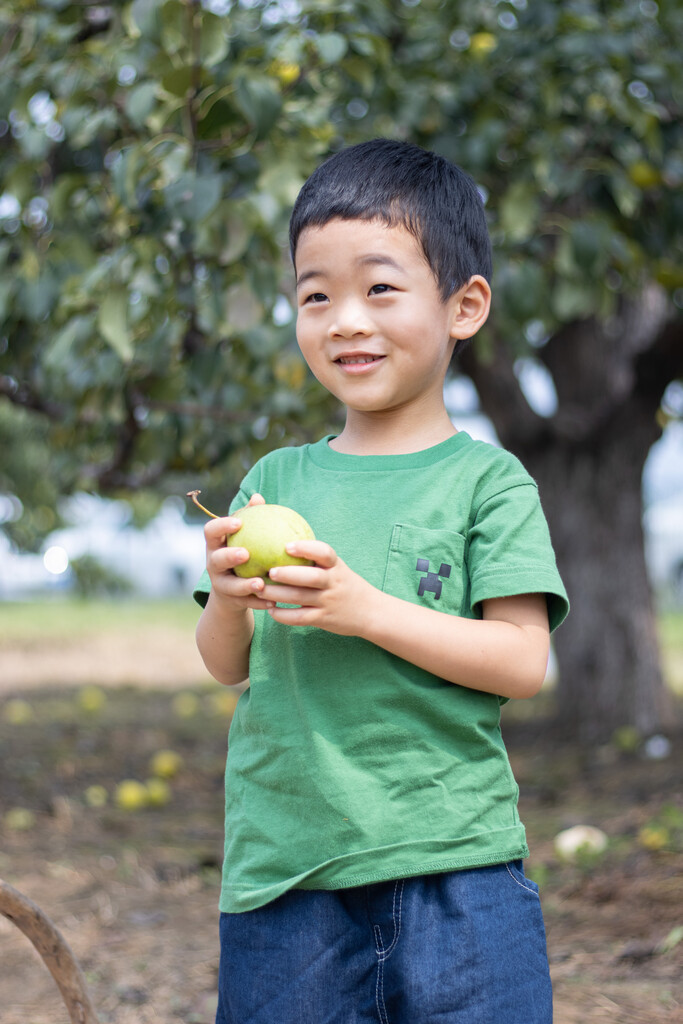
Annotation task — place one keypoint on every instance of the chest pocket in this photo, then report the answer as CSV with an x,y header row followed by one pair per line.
x,y
427,567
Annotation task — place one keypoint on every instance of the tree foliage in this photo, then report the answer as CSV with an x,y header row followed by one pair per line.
x,y
151,151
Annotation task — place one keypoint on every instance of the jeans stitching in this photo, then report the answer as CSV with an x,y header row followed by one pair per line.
x,y
520,884
383,954
379,987
398,890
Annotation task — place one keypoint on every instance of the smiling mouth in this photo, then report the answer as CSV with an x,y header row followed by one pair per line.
x,y
357,360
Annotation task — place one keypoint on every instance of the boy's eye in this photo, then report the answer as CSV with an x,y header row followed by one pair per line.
x,y
315,297
380,289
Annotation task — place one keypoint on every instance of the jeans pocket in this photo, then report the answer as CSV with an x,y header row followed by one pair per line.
x,y
515,870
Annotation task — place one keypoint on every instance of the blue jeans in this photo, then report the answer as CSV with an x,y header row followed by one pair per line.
x,y
466,947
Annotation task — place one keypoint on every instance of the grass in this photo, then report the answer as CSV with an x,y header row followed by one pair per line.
x,y
22,622
670,629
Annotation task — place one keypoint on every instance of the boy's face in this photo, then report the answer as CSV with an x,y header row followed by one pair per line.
x,y
371,323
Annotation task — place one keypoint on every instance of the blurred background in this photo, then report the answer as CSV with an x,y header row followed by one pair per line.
x,y
150,152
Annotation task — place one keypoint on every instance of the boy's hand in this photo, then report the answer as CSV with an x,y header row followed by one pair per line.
x,y
329,594
232,591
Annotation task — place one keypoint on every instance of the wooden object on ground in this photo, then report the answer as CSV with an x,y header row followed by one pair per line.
x,y
54,950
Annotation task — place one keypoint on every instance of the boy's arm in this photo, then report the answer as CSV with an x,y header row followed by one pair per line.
x,y
505,652
224,638
226,625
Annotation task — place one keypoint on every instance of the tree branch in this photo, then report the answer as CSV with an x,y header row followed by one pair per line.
x,y
21,394
126,438
502,398
661,363
54,950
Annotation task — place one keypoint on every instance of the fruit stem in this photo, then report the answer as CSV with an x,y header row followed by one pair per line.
x,y
193,495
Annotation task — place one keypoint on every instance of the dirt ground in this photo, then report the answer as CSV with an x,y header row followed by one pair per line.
x,y
134,892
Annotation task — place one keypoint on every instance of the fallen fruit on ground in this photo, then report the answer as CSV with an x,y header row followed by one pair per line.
x,y
96,796
158,792
165,764
580,840
131,795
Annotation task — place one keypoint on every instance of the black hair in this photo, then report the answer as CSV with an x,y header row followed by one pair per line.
x,y
401,184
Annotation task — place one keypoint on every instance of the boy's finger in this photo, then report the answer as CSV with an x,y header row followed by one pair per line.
x,y
218,530
224,559
315,550
300,576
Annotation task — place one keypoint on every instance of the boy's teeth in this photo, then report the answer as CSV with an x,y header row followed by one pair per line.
x,y
357,359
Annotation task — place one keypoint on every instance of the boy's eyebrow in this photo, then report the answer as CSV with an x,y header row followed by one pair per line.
x,y
309,274
369,260
379,259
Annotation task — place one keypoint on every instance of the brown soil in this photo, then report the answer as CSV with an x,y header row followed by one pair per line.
x,y
135,893
156,656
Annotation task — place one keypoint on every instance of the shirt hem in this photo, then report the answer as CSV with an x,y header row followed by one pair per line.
x,y
239,901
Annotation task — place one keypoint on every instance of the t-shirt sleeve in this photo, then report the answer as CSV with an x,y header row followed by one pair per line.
x,y
248,487
510,552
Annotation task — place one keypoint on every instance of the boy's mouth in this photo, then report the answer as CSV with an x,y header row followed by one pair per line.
x,y
359,360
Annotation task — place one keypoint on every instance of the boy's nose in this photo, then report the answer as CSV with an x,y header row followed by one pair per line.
x,y
349,320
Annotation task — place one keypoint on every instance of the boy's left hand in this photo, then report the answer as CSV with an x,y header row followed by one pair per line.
x,y
329,594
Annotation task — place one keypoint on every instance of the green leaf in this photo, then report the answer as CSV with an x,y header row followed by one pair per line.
x,y
140,102
572,300
112,322
587,245
176,26
242,309
238,234
178,81
259,100
36,298
194,197
519,211
7,286
331,46
214,42
144,17
519,288
66,343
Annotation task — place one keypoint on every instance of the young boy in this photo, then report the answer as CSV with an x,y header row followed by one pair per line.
x,y
373,856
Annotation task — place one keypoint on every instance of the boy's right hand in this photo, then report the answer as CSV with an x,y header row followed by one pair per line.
x,y
230,590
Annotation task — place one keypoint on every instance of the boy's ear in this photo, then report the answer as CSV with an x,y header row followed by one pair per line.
x,y
470,308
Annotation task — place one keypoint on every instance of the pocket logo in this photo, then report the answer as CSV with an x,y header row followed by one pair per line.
x,y
431,583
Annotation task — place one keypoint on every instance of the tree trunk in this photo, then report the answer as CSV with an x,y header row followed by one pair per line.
x,y
607,651
588,461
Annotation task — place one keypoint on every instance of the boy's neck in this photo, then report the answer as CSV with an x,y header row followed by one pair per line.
x,y
389,434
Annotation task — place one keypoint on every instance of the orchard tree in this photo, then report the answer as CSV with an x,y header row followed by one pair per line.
x,y
569,117
149,155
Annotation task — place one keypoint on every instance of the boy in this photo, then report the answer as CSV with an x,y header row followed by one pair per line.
x,y
373,847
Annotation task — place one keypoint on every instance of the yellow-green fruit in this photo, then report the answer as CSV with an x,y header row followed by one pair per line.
x,y
158,792
131,795
96,796
654,837
265,531
19,819
166,764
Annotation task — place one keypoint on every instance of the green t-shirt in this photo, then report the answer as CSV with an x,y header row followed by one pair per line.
x,y
346,764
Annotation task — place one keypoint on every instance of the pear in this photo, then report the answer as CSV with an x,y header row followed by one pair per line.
x,y
265,531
